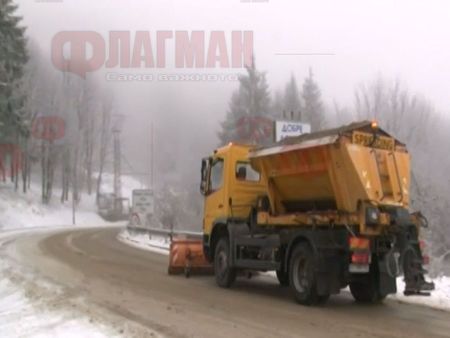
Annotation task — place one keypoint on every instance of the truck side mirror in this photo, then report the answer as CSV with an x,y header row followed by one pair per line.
x,y
206,163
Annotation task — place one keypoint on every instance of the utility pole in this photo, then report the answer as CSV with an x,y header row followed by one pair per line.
x,y
117,171
117,164
118,206
152,156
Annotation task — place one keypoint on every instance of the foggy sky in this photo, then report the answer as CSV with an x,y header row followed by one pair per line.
x,y
408,39
396,39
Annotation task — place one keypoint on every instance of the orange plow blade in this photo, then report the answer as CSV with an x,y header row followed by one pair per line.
x,y
186,256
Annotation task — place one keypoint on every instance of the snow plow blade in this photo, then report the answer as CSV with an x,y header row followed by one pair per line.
x,y
186,257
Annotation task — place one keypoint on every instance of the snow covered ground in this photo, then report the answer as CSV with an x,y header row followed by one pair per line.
x,y
21,314
31,306
21,317
439,299
20,211
128,184
144,241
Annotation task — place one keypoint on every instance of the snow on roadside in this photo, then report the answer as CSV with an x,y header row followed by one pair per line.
x,y
129,183
31,307
21,317
439,299
20,210
20,314
145,241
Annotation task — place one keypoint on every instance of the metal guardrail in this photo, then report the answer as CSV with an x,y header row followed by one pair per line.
x,y
166,232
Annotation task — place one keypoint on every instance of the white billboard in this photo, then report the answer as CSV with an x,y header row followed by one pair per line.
x,y
285,129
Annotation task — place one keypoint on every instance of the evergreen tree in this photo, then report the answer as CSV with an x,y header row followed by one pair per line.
x,y
278,104
313,110
248,117
292,101
13,57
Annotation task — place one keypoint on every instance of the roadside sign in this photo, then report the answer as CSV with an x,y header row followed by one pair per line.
x,y
142,203
285,129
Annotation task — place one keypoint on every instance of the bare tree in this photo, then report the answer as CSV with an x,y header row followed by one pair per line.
x,y
413,120
105,138
313,107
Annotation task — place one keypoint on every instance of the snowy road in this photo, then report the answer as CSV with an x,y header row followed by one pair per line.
x,y
131,285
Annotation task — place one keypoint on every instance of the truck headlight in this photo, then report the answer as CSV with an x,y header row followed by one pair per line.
x,y
372,216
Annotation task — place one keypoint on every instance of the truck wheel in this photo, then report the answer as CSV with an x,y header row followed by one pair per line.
x,y
283,277
366,288
302,276
225,275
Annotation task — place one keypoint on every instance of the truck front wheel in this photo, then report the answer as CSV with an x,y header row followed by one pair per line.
x,y
302,276
225,275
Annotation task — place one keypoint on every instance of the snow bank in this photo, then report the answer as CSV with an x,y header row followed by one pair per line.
x,y
20,317
439,299
31,307
20,210
129,183
145,241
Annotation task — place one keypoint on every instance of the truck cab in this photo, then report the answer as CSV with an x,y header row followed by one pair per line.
x,y
230,186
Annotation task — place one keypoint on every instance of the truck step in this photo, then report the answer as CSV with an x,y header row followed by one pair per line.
x,y
417,293
260,241
255,264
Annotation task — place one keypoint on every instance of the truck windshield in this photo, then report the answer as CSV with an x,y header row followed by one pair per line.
x,y
216,177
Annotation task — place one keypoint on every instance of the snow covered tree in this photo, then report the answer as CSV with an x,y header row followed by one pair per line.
x,y
247,119
13,57
313,109
278,104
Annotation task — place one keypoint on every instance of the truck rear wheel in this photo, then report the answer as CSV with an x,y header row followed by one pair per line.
x,y
302,276
366,289
225,275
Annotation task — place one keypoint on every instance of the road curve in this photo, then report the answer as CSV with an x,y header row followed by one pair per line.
x,y
134,284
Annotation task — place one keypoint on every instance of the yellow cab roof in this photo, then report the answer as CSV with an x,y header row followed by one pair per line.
x,y
238,149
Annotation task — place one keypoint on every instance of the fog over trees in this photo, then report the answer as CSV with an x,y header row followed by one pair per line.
x,y
30,88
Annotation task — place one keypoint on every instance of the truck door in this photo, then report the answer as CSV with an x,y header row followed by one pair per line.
x,y
214,202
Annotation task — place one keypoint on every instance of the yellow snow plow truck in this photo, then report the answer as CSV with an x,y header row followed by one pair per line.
x,y
324,210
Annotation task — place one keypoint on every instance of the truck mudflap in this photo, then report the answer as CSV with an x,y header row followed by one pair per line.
x,y
387,281
329,274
